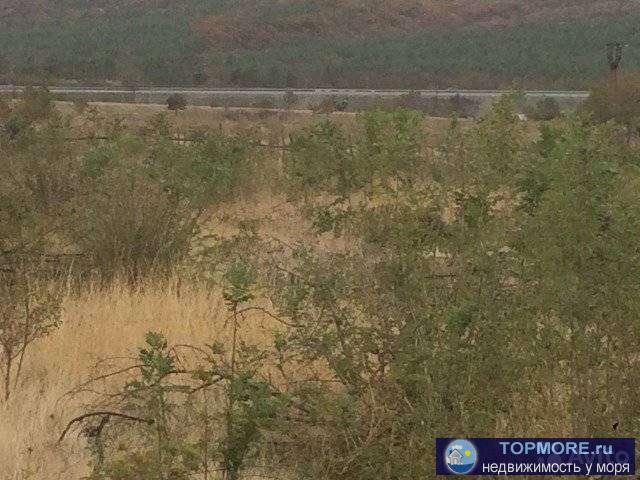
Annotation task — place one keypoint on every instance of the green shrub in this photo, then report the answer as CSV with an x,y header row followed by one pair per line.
x,y
30,308
545,109
490,280
387,148
35,104
176,102
616,100
264,104
290,99
139,206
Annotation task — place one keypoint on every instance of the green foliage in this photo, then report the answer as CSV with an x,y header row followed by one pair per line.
x,y
391,143
239,280
177,102
30,309
385,151
85,47
151,398
321,159
490,279
617,100
567,56
178,437
304,44
290,99
545,109
208,171
129,205
427,323
138,206
125,218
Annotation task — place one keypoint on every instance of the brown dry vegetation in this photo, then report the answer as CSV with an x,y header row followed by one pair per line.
x,y
456,251
101,328
249,22
250,25
272,124
98,325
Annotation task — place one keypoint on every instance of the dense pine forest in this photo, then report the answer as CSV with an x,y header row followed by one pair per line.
x,y
400,44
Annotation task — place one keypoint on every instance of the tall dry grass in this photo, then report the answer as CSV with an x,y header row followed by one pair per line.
x,y
97,325
270,126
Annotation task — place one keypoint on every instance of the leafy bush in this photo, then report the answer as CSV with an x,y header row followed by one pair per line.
x,y
545,109
35,104
321,158
163,414
387,148
138,210
616,100
489,280
29,310
290,99
177,102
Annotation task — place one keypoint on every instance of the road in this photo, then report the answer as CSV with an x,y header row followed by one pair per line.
x,y
323,92
270,98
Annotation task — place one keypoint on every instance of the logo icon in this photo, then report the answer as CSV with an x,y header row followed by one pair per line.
x,y
460,456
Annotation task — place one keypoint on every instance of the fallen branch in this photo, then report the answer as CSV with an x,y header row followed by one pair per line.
x,y
101,414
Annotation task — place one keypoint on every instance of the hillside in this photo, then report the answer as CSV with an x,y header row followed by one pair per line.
x,y
404,43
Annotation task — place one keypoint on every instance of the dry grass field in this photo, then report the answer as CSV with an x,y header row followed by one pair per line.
x,y
98,325
272,124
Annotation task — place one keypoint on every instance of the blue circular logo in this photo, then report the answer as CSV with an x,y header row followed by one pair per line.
x,y
460,456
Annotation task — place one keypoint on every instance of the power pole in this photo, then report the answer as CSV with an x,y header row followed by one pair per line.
x,y
614,57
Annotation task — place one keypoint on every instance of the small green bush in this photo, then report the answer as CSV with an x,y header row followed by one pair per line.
x,y
177,102
290,99
545,109
35,104
617,100
264,104
139,205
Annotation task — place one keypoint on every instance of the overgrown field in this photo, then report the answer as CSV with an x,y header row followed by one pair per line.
x,y
221,294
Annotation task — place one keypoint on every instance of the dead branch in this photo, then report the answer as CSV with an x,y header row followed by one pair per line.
x,y
101,414
101,377
269,314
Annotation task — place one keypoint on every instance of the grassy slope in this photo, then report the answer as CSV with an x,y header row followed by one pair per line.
x,y
569,55
407,43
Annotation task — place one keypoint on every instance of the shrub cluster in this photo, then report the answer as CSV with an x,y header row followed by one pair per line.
x,y
127,204
491,279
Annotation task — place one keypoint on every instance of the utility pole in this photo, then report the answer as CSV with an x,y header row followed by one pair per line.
x,y
614,57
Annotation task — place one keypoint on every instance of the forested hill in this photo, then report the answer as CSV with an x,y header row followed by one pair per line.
x,y
340,43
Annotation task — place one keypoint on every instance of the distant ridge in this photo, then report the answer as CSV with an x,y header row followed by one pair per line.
x,y
279,43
